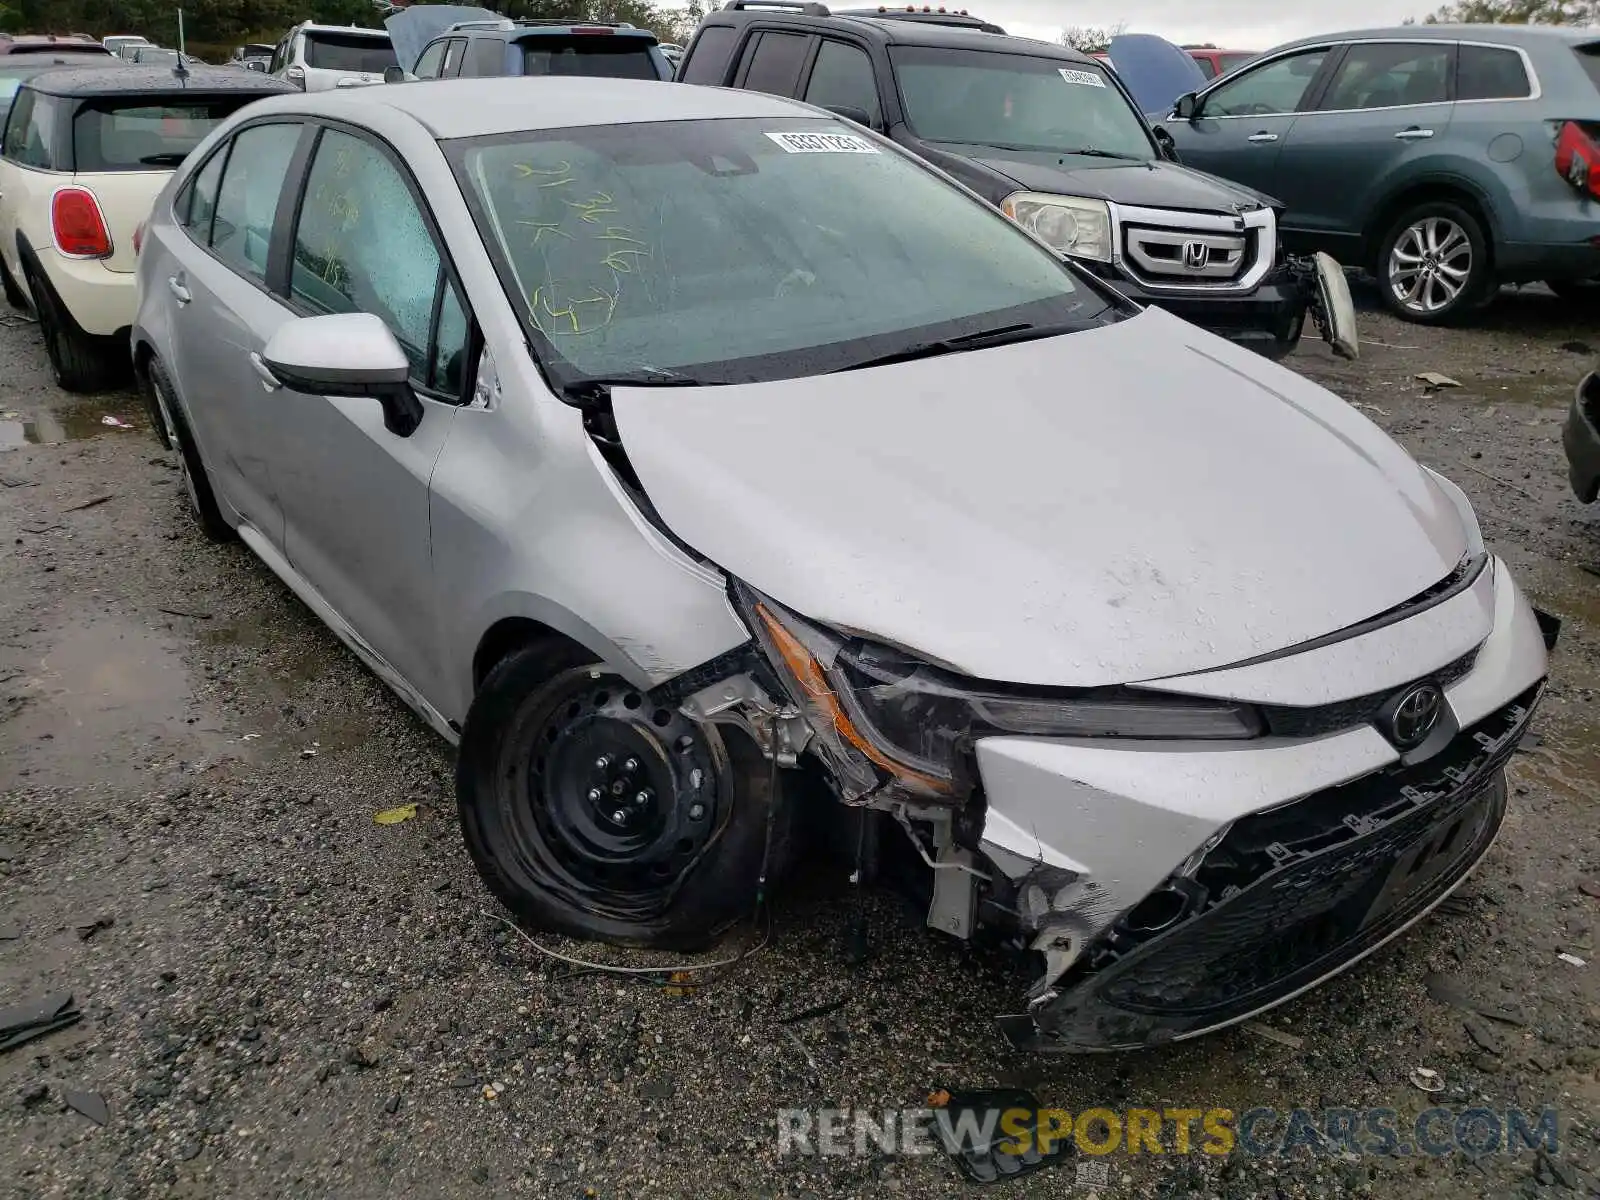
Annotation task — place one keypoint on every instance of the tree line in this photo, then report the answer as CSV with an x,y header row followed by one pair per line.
x,y
222,23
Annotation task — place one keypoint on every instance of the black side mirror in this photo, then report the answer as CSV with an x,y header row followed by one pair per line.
x,y
1186,107
1165,143
850,112
394,75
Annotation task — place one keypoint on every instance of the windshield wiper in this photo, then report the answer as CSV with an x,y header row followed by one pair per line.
x,y
1003,335
1092,152
169,159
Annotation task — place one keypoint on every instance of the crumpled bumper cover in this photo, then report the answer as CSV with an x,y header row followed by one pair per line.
x,y
1289,897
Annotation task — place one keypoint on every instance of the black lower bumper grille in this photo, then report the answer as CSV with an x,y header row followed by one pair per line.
x,y
1292,895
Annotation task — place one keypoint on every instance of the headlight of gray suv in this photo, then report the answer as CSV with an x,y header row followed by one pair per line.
x,y
1073,225
873,706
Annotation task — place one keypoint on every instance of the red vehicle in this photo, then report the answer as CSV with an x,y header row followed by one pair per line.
x,y
1216,62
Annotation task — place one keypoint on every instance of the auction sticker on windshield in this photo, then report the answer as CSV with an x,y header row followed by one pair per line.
x,y
1085,78
823,143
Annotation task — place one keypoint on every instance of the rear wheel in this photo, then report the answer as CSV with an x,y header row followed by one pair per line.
x,y
1433,264
80,361
175,433
591,813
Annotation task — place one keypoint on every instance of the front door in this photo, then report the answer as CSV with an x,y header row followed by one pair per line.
x,y
355,495
224,313
1241,124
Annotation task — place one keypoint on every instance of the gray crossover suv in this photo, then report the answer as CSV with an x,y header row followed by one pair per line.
x,y
1427,154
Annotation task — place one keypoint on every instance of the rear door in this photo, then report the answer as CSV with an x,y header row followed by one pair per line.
x,y
28,176
225,312
1386,106
1242,121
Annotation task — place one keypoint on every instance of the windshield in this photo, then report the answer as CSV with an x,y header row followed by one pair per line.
x,y
746,250
371,52
146,133
1017,102
596,54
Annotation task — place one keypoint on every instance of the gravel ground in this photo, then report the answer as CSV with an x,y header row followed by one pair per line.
x,y
283,997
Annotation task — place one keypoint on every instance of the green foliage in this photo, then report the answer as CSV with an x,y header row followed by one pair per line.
x,y
1515,12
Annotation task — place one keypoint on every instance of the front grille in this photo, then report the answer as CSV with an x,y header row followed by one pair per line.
x,y
1181,256
1292,894
1284,721
1194,253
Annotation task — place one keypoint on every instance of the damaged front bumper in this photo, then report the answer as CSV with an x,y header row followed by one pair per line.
x,y
1170,890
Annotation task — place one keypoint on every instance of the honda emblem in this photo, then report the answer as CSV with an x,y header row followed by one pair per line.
x,y
1196,255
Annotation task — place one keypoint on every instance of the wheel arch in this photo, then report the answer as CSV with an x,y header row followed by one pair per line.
x,y
1452,189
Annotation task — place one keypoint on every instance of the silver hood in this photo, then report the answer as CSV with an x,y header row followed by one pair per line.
x,y
1138,501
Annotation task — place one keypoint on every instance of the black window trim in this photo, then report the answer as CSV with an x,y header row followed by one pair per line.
x,y
751,46
438,41
458,47
810,68
281,254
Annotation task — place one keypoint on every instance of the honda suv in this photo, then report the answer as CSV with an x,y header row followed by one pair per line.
x,y
1047,135
1446,159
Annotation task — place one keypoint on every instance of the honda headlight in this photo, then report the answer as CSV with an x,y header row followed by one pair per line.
x,y
872,704
1071,224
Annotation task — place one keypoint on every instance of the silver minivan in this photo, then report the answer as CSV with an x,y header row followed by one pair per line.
x,y
316,58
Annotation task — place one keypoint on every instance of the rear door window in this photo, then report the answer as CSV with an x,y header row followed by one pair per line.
x,y
247,201
1589,56
1490,73
605,55
775,62
332,51
1390,75
145,133
709,62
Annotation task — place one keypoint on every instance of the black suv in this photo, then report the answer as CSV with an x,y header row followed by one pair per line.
x,y
1048,135
615,50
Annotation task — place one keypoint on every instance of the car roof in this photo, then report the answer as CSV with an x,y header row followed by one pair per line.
x,y
37,63
135,79
313,27
459,108
1524,35
896,32
39,44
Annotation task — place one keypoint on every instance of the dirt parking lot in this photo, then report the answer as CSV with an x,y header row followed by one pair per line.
x,y
282,997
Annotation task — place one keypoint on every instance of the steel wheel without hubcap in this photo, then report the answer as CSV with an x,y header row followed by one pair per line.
x,y
617,797
1430,265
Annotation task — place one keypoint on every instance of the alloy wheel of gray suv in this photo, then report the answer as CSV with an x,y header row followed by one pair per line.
x,y
1433,264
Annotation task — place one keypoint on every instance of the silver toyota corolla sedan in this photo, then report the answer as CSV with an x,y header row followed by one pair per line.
x,y
675,449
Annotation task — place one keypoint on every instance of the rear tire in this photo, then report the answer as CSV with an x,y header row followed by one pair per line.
x,y
175,432
591,814
80,361
1433,265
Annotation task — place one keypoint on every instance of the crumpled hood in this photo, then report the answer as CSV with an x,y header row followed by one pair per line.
x,y
1155,184
1136,501
411,29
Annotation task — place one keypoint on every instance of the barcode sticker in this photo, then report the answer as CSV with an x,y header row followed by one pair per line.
x,y
1082,78
823,143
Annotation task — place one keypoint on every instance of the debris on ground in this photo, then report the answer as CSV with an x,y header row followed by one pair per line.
x,y
1572,959
10,931
91,502
816,1010
1447,989
1427,1079
1435,381
88,1104
23,1023
196,614
116,422
977,1127
1267,1032
393,816
1590,888
88,929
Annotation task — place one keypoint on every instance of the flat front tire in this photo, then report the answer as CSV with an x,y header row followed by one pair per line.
x,y
591,813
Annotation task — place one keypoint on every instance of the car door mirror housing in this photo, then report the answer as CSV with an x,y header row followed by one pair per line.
x,y
394,74
1186,107
851,113
348,355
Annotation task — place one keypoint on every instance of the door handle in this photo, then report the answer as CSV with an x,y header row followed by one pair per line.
x,y
1414,134
269,381
1263,136
179,292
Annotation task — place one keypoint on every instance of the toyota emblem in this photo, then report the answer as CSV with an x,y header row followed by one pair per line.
x,y
1196,255
1415,715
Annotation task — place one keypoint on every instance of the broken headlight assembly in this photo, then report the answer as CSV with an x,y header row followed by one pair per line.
x,y
879,712
1072,225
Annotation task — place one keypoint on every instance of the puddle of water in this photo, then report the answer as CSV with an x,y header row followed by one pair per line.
x,y
1547,391
106,696
72,422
